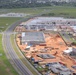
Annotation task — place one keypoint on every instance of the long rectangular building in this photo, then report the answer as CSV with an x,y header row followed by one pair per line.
x,y
33,37
48,23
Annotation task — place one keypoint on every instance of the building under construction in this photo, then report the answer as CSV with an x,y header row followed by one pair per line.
x,y
33,38
47,23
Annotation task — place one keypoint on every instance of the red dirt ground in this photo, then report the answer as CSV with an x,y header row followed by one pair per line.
x,y
54,45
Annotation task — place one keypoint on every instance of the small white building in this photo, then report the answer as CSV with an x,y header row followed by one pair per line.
x,y
68,51
71,51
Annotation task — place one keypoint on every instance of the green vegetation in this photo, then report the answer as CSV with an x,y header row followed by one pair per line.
x,y
22,3
33,3
20,56
68,38
40,69
62,11
5,22
5,66
23,10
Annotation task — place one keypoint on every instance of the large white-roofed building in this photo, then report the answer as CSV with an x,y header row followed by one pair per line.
x,y
48,23
33,38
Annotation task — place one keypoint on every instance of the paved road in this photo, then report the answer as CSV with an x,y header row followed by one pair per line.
x,y
21,68
13,56
15,61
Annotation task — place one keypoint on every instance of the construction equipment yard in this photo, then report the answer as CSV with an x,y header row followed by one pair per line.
x,y
49,52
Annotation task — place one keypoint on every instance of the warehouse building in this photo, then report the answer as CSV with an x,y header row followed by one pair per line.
x,y
48,23
33,38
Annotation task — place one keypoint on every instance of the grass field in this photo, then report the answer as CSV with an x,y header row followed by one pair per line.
x,y
62,11
5,66
5,22
65,11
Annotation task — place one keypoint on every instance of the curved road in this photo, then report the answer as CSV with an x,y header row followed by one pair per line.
x,y
13,57
11,54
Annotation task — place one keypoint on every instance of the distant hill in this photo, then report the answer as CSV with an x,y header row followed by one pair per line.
x,y
33,3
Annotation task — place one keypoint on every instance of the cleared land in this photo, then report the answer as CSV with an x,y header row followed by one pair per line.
x,y
5,22
54,46
5,66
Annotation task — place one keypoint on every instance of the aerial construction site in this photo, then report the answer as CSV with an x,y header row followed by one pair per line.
x,y
47,46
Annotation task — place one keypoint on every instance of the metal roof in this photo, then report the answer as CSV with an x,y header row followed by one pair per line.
x,y
46,56
33,36
40,20
65,73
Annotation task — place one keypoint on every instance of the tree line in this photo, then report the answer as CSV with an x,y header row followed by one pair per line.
x,y
26,4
